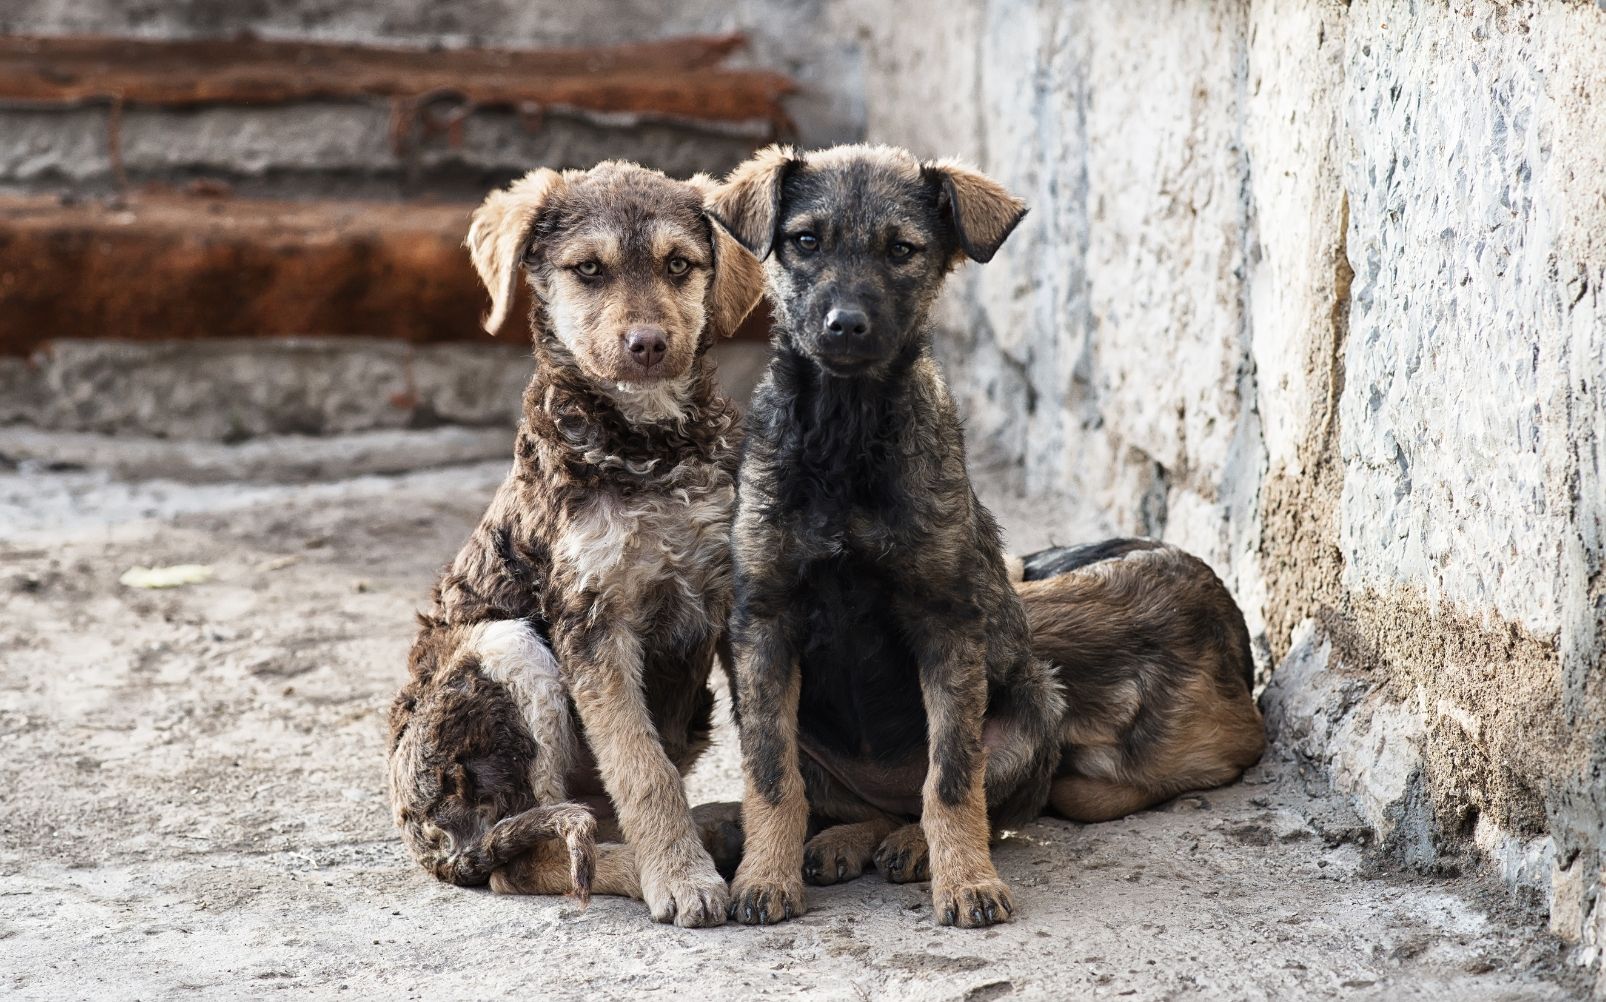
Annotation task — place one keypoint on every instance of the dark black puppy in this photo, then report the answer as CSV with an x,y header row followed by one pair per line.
x,y
883,670
876,622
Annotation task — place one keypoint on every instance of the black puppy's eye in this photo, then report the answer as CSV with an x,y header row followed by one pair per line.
x,y
588,269
808,243
678,265
900,250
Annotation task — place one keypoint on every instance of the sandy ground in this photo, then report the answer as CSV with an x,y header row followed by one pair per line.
x,y
194,802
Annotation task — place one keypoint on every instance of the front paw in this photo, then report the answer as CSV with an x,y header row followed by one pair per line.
x,y
828,860
904,857
756,901
972,905
690,894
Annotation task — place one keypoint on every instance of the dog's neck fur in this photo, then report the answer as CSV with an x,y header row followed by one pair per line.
x,y
584,431
842,442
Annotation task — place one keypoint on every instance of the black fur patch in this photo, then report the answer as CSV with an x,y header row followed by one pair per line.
x,y
1058,560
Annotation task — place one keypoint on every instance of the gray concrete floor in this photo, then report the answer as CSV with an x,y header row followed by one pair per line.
x,y
195,806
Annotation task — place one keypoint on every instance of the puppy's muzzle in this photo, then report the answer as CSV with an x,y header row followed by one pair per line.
x,y
845,336
647,346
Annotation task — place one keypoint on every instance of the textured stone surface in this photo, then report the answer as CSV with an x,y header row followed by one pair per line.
x,y
337,148
230,390
227,390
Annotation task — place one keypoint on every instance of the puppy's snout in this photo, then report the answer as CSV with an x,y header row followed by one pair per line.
x,y
849,323
647,345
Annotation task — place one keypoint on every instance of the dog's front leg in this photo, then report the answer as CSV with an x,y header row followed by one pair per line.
x,y
678,879
965,889
769,882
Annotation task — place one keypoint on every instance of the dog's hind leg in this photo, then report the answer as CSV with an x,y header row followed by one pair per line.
x,y
1088,800
545,870
511,652
720,825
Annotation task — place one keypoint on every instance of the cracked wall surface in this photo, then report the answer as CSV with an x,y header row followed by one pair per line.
x,y
1315,289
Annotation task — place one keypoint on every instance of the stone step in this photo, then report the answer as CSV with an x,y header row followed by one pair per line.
x,y
173,267
277,116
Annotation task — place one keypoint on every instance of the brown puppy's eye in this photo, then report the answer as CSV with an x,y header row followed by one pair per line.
x,y
678,265
900,250
808,243
588,269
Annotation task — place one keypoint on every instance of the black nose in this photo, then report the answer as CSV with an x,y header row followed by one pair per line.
x,y
647,345
841,323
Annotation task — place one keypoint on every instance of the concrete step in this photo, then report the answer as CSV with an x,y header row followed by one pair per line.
x,y
277,116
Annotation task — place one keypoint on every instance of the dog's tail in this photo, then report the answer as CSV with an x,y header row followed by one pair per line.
x,y
1015,567
472,862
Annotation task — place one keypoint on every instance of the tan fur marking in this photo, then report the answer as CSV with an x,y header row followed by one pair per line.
x,y
904,856
511,653
1091,801
963,880
601,246
772,864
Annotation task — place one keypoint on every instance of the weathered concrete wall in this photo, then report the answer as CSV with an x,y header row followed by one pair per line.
x,y
1318,290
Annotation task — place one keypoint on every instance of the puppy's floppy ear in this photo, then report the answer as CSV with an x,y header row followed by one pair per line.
x,y
499,232
748,204
738,282
982,211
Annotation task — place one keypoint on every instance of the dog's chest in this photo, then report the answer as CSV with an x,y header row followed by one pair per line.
x,y
654,556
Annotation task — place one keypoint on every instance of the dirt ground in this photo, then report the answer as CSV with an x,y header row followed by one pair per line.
x,y
194,803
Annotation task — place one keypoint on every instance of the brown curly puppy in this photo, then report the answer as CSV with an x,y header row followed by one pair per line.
x,y
591,599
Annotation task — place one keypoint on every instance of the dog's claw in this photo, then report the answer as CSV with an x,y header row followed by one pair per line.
x,y
765,903
975,905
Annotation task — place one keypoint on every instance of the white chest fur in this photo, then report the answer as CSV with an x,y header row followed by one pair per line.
x,y
662,555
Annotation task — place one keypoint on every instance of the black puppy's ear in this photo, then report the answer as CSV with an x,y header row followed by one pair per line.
x,y
499,232
748,204
738,282
982,211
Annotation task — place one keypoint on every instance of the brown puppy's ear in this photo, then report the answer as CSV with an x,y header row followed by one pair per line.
x,y
498,235
738,282
983,212
748,204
